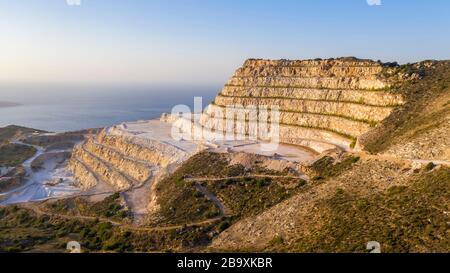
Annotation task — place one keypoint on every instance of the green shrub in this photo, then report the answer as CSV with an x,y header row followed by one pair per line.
x,y
301,183
260,183
197,194
223,226
179,182
277,240
430,166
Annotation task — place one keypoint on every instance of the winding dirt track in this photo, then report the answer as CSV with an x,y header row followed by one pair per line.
x,y
210,196
215,179
38,211
396,159
224,211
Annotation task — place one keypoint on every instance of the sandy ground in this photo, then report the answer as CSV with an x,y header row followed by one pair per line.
x,y
282,152
162,131
153,130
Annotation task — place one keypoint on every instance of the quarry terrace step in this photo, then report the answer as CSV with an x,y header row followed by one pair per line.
x,y
311,82
213,108
327,63
309,71
377,98
129,167
151,153
142,162
294,132
305,99
345,127
113,168
85,177
351,110
103,170
317,139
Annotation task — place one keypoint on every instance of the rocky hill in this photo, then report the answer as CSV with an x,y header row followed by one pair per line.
x,y
322,103
395,196
364,156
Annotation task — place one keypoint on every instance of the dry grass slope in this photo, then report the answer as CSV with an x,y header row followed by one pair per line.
x,y
418,129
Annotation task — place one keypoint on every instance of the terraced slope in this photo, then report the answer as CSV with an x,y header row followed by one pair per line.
x,y
121,160
321,102
108,159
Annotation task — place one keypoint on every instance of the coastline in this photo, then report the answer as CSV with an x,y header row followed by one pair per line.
x,y
5,104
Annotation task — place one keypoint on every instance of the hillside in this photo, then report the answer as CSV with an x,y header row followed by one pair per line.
x,y
402,208
14,154
322,104
12,132
418,129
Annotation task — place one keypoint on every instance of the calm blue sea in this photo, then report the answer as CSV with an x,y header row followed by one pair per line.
x,y
61,108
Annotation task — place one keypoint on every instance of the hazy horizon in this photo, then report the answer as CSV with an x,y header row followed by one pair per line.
x,y
203,42
73,107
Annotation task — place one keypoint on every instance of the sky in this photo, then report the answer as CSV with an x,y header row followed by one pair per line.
x,y
196,42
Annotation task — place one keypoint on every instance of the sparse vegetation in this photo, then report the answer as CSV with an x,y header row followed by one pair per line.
x,y
12,132
174,190
426,108
250,196
403,219
22,230
244,196
112,207
328,166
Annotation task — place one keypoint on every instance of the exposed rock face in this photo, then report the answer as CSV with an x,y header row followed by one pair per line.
x,y
121,160
322,104
83,174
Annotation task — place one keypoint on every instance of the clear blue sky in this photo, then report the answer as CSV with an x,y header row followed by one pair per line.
x,y
204,41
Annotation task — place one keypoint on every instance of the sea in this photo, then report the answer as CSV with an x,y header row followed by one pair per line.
x,y
71,107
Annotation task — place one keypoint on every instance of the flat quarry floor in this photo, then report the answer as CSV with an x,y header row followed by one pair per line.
x,y
162,131
153,130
